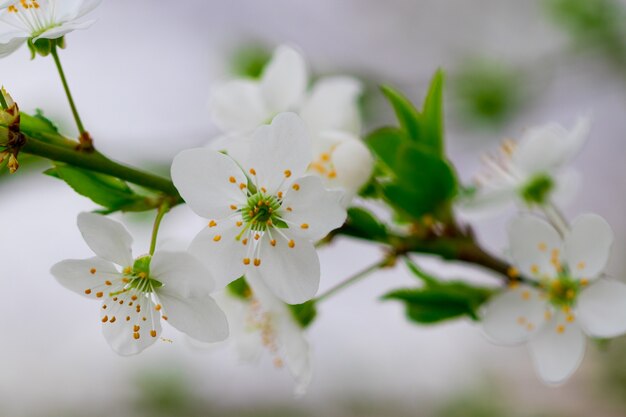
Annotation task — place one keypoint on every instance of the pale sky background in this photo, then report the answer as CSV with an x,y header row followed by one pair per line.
x,y
141,77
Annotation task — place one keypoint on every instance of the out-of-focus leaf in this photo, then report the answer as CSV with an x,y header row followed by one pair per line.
x,y
109,192
366,224
304,313
249,61
431,133
407,114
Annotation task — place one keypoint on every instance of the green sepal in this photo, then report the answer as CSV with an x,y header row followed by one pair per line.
x,y
142,264
304,313
239,288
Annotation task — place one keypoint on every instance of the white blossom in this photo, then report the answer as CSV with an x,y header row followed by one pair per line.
x,y
329,109
263,213
24,20
571,297
138,293
532,172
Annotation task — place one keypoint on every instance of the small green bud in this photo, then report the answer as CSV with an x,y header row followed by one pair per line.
x,y
43,47
537,190
142,265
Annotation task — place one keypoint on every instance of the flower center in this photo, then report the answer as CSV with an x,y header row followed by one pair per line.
x,y
562,291
537,189
323,165
33,16
261,211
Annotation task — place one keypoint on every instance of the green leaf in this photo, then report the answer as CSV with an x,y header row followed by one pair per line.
x,y
422,183
366,224
304,313
442,301
432,116
428,280
407,114
107,191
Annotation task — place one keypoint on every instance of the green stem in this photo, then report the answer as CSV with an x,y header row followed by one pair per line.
x,y
66,87
557,218
97,162
163,209
351,280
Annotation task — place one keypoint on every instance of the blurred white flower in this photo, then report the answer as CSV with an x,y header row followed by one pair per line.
x,y
172,286
329,109
263,214
571,299
24,20
260,323
533,171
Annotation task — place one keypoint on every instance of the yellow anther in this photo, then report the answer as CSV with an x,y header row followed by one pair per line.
x,y
570,294
580,265
217,238
263,189
560,329
530,327
304,226
112,319
296,187
92,271
257,262
513,285
105,319
136,328
526,295
153,333
233,207
128,270
99,294
287,173
232,180
570,318
142,275
292,244
134,298
252,171
136,335
534,268
87,291
280,194
212,223
325,157
246,261
239,223
242,186
512,272
542,247
273,242
127,318
108,283
158,307
332,174
521,321
547,315
584,282
244,241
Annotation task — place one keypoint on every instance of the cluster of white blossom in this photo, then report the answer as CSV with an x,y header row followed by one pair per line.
x,y
567,294
280,178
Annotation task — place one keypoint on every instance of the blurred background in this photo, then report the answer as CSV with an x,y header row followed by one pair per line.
x,y
142,76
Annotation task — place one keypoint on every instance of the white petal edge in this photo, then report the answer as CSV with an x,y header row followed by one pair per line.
x,y
601,308
284,80
108,238
80,276
532,244
588,245
238,105
181,273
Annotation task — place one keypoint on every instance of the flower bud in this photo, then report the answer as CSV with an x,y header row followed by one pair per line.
x,y
13,164
9,113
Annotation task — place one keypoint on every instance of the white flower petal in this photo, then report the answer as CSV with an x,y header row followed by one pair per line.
x,y
353,164
75,9
181,273
533,242
557,351
198,317
312,211
291,273
546,148
238,105
601,309
280,153
221,253
514,316
209,182
124,327
566,187
63,29
12,45
588,246
86,276
284,80
487,203
333,105
107,238
235,144
247,340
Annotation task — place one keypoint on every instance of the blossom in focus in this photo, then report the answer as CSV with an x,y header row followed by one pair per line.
x,y
261,323
533,171
32,20
138,293
263,213
571,299
329,109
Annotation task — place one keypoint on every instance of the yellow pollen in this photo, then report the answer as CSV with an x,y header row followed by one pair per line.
x,y
534,268
257,236
584,282
580,265
134,298
246,261
560,329
158,307
570,294
570,318
264,189
280,194
153,333
526,295
242,186
128,270
287,173
104,306
87,291
125,280
127,318
233,207
289,209
257,262
245,241
232,180
513,285
252,171
292,244
142,275
530,327
112,319
92,271
542,247
136,328
99,294
547,315
239,223
332,174
212,223
295,187
325,157
105,319
136,335
108,283
304,226
217,238
273,242
512,272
